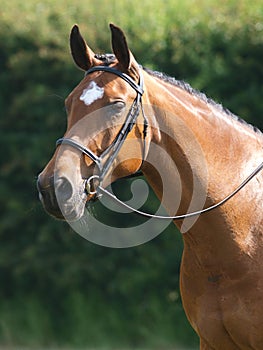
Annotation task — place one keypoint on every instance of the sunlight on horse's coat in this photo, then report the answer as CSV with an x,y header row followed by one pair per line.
x,y
189,137
91,94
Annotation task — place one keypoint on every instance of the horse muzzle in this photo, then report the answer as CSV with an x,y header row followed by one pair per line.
x,y
60,197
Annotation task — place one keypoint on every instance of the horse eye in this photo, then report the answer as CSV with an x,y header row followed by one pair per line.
x,y
118,106
116,109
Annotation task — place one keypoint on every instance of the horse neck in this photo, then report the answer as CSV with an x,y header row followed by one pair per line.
x,y
213,148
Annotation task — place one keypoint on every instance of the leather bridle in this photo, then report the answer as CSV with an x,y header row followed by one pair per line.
x,y
105,160
112,151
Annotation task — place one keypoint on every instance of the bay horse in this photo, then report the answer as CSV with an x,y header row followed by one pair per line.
x,y
221,277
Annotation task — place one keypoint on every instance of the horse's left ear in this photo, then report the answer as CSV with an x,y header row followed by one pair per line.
x,y
121,50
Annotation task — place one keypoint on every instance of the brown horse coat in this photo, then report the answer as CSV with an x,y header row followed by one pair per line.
x,y
222,265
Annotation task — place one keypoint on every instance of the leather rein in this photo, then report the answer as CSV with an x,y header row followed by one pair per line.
x,y
112,151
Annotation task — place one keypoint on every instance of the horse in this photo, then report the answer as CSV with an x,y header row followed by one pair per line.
x,y
221,276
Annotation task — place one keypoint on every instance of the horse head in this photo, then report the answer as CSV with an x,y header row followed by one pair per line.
x,y
104,106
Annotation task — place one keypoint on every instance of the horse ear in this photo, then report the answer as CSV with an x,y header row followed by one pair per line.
x,y
81,53
120,48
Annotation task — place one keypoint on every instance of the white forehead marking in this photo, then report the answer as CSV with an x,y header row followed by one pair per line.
x,y
92,93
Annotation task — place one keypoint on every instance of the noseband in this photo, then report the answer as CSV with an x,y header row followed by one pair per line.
x,y
105,160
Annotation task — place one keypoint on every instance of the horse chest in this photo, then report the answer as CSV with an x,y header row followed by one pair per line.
x,y
225,317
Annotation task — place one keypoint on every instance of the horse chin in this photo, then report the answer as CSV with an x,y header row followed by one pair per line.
x,y
55,213
72,213
66,213
70,210
78,212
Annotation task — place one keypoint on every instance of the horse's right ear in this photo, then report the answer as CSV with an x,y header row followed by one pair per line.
x,y
81,53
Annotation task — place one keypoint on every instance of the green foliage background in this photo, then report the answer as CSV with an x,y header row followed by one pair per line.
x,y
56,288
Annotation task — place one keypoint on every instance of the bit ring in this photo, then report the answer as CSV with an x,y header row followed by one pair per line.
x,y
88,184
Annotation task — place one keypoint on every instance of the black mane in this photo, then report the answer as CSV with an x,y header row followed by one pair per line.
x,y
185,86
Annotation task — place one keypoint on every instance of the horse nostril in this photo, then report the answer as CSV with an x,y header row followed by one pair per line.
x,y
64,189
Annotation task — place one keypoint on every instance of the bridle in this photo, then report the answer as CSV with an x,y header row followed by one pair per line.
x,y
112,151
105,160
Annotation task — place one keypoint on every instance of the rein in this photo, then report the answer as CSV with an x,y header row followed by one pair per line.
x,y
115,147
188,215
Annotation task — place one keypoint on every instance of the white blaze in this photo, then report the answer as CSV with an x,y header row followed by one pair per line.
x,y
92,93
